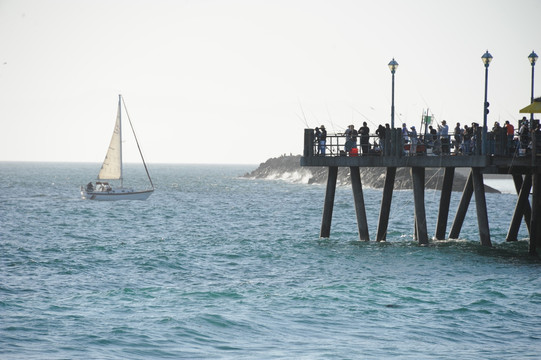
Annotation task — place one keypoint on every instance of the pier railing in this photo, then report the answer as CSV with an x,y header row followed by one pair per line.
x,y
395,144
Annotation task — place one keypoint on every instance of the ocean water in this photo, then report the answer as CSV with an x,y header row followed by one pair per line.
x,y
215,266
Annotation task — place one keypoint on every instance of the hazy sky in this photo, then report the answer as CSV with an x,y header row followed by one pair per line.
x,y
238,81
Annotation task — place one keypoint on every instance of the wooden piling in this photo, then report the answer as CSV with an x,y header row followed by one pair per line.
x,y
462,208
481,206
386,200
309,139
535,226
522,208
418,177
445,201
360,209
329,202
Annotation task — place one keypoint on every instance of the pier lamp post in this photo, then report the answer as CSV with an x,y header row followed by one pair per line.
x,y
392,65
533,58
487,58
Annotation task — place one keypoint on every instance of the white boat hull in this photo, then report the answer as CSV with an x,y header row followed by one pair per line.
x,y
118,194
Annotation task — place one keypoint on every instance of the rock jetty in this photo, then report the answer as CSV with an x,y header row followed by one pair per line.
x,y
287,167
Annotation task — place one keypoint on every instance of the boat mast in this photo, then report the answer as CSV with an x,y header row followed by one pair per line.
x,y
120,130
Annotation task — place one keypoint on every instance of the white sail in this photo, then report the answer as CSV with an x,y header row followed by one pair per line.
x,y
111,168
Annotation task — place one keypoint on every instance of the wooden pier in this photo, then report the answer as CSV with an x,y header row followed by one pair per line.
x,y
525,171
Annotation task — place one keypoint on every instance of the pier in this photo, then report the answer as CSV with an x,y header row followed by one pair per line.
x,y
496,157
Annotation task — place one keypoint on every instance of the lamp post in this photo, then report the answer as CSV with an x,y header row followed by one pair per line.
x,y
533,58
392,65
487,58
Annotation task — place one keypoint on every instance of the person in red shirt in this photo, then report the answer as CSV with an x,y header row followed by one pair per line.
x,y
510,130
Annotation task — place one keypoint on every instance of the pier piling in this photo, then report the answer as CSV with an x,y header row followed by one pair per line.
x,y
445,201
360,210
386,204
481,206
522,209
462,208
535,226
329,202
418,177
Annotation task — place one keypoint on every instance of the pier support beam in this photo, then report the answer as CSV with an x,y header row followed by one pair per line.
x,y
522,209
535,226
481,206
445,201
462,208
360,210
418,177
386,204
329,202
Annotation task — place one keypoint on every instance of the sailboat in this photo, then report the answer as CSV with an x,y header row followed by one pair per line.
x,y
111,169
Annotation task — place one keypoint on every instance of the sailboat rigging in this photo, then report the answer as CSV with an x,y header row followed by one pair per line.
x,y
112,168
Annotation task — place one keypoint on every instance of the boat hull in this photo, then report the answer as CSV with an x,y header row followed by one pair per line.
x,y
114,195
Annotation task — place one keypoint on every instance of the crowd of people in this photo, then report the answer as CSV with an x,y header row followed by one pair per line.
x,y
439,140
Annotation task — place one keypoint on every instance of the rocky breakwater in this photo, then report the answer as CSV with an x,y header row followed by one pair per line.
x,y
288,168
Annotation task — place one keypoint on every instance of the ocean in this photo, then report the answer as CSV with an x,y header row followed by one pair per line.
x,y
217,266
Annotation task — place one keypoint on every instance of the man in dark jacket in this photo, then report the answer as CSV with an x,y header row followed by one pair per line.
x,y
364,132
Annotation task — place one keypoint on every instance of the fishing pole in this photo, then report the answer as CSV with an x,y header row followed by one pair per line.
x,y
304,116
303,121
364,116
330,118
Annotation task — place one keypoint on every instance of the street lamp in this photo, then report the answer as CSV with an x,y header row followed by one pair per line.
x,y
533,58
392,65
487,58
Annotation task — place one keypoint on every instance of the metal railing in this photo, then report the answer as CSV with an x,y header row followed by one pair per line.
x,y
395,144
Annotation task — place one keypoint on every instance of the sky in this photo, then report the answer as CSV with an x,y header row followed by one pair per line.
x,y
237,82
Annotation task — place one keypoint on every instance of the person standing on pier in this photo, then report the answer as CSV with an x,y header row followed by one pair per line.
x,y
524,134
405,134
444,135
433,134
351,138
466,138
495,141
380,132
510,131
474,132
364,131
316,138
413,138
322,139
458,137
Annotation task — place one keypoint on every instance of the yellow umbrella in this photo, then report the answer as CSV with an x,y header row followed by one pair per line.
x,y
534,107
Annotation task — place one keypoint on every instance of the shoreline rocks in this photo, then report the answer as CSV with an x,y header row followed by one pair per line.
x,y
288,168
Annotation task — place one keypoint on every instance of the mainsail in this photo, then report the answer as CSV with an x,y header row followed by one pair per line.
x,y
111,168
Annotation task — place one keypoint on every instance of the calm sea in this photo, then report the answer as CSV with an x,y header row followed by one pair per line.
x,y
215,266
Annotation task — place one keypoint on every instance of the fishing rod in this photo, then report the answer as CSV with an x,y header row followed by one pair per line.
x,y
303,115
330,118
303,121
364,116
424,121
